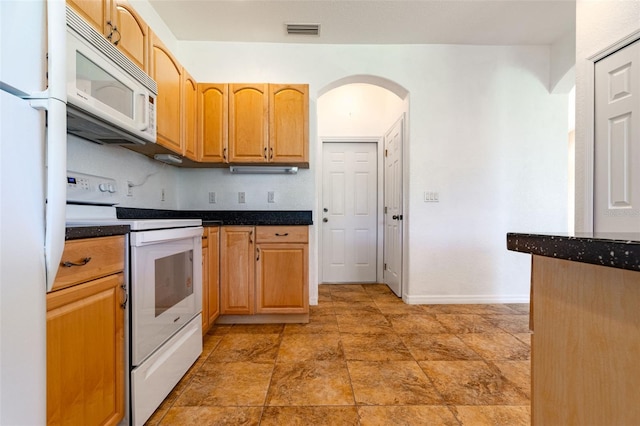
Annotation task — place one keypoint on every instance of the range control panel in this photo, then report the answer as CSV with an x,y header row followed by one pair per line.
x,y
90,189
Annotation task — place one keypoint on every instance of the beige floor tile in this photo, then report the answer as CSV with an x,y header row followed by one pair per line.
x,y
215,416
304,416
497,346
494,415
306,347
228,384
374,347
524,338
398,308
472,383
324,308
356,308
310,383
364,324
246,347
391,383
521,308
518,373
510,323
377,289
317,324
256,329
410,323
334,288
219,329
466,323
350,296
412,415
438,347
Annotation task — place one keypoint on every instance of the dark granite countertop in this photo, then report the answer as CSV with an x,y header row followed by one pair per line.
x,y
223,217
78,232
617,250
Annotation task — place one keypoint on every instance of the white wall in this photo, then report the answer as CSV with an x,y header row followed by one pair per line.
x,y
599,24
484,132
357,110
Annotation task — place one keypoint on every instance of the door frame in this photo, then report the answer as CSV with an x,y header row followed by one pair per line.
x,y
379,202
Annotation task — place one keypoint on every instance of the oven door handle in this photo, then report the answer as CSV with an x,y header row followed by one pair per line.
x,y
144,238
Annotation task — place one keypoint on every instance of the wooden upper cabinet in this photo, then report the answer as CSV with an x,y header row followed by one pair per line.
x,y
96,13
213,122
132,35
248,123
167,73
289,123
190,115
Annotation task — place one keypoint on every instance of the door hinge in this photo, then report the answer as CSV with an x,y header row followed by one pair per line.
x,y
385,209
386,152
385,266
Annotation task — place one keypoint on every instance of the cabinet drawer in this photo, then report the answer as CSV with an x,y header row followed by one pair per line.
x,y
282,234
105,254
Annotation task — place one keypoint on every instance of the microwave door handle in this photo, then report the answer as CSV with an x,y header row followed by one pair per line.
x,y
145,110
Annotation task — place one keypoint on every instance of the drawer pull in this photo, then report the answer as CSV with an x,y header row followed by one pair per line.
x,y
282,235
70,264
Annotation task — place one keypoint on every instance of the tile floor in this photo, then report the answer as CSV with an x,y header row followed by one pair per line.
x,y
365,358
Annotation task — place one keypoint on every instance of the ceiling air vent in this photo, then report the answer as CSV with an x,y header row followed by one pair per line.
x,y
303,29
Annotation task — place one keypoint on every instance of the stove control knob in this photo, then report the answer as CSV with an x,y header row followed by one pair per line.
x,y
112,188
103,187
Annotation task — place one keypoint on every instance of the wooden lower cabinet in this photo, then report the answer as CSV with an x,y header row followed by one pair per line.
x,y
85,353
280,284
210,277
237,270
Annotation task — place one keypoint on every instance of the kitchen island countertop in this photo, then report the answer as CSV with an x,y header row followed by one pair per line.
x,y
617,250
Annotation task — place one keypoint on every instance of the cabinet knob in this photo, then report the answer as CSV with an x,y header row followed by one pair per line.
x,y
325,220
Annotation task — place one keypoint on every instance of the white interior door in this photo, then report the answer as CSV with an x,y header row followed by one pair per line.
x,y
393,215
617,142
349,200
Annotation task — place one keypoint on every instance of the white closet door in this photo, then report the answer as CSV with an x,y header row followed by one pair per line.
x,y
617,142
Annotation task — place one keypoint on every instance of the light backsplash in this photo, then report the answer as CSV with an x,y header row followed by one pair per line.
x,y
151,178
290,192
188,189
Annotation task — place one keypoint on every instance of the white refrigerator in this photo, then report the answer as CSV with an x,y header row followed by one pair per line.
x,y
32,196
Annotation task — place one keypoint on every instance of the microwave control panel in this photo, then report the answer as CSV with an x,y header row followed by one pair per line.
x,y
90,189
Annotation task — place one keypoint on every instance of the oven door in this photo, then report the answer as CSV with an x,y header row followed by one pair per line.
x,y
166,286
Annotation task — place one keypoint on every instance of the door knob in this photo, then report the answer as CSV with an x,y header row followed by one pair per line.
x,y
325,220
395,217
325,210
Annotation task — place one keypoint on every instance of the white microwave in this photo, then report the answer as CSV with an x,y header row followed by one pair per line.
x,y
109,99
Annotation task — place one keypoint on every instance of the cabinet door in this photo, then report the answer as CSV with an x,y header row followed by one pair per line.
x,y
96,13
85,353
288,123
189,114
213,107
205,289
214,274
167,72
282,279
131,34
237,268
248,123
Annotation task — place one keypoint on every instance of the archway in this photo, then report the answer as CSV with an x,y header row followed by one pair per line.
x,y
359,109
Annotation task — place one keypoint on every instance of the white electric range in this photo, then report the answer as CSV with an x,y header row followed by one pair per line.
x,y
164,326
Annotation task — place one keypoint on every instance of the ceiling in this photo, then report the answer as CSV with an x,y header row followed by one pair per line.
x,y
479,22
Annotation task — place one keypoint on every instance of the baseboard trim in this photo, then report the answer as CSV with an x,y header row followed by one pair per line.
x,y
465,299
